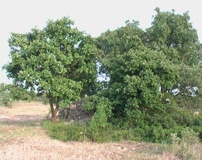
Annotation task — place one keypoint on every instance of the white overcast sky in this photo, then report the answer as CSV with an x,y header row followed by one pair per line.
x,y
91,16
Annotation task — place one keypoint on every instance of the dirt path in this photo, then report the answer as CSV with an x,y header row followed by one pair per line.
x,y
22,138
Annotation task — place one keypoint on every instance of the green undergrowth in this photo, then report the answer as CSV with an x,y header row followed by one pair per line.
x,y
78,132
177,130
156,128
181,142
63,131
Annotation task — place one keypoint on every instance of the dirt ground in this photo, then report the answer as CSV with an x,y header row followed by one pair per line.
x,y
22,138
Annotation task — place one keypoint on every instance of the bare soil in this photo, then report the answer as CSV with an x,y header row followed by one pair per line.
x,y
22,138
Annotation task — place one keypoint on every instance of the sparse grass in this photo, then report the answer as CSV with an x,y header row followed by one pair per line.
x,y
150,151
24,126
29,129
186,147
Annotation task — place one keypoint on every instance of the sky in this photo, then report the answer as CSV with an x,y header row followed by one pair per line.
x,y
92,16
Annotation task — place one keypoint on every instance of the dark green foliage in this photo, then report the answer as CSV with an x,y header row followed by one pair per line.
x,y
113,43
189,86
159,126
136,77
159,129
155,127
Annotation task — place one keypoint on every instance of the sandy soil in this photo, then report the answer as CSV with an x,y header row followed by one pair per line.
x,y
22,138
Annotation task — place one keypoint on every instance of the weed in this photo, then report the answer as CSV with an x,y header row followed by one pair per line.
x,y
185,146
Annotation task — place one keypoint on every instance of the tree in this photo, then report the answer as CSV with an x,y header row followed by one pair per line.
x,y
136,73
145,67
58,60
174,35
139,75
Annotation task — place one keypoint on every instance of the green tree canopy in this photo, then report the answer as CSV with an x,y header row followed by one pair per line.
x,y
145,67
135,81
174,35
58,60
136,73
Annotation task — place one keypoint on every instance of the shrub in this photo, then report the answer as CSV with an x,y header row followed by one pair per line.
x,y
103,127
159,126
78,132
6,98
9,93
102,111
64,131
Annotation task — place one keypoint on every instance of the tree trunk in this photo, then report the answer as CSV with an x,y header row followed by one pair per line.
x,y
163,89
54,116
54,110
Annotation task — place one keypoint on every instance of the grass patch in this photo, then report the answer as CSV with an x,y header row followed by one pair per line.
x,y
111,134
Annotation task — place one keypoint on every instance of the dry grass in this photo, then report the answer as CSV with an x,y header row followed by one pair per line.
x,y
25,108
23,138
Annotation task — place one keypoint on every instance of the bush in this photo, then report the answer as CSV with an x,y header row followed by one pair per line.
x,y
9,93
65,132
78,132
151,128
103,127
159,126
102,111
6,98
